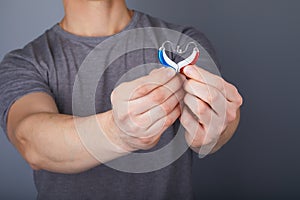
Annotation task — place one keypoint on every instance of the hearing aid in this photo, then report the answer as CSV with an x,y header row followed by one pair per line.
x,y
178,67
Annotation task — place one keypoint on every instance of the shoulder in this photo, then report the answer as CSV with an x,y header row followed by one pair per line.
x,y
31,53
28,61
35,46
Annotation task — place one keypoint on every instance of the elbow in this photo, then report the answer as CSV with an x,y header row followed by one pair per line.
x,y
32,159
29,155
21,140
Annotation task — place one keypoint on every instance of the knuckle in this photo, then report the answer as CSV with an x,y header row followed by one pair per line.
x,y
239,99
187,84
169,121
184,121
186,99
158,96
198,133
122,116
231,115
199,141
145,143
144,122
220,83
130,111
178,82
142,90
167,107
201,108
179,95
172,118
213,95
194,140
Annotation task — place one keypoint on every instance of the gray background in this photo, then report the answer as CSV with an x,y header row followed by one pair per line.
x,y
258,44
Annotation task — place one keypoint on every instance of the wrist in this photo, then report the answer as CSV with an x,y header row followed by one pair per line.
x,y
113,133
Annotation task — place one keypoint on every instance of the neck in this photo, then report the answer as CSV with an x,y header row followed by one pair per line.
x,y
95,18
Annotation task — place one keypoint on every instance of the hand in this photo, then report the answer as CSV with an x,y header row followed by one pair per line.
x,y
211,110
144,108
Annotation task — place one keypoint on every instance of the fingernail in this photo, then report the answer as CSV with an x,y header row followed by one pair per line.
x,y
170,72
188,70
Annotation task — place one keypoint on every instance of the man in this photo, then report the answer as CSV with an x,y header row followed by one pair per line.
x,y
36,85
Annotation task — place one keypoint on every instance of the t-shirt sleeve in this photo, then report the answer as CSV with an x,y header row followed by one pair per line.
x,y
19,75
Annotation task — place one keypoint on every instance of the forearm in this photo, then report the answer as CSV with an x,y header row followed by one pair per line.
x,y
53,142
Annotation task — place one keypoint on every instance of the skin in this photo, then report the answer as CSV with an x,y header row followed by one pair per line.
x,y
211,113
49,140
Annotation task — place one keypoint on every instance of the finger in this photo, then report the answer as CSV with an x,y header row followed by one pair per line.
x,y
140,123
144,85
232,111
210,121
162,124
203,76
232,94
206,93
200,109
153,115
156,97
195,133
228,90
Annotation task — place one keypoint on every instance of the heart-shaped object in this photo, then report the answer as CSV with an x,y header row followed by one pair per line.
x,y
178,67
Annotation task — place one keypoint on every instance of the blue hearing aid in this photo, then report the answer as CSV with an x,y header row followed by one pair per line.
x,y
178,67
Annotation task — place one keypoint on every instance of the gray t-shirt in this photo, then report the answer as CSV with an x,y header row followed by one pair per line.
x,y
49,64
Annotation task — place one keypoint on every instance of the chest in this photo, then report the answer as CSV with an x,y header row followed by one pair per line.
x,y
77,79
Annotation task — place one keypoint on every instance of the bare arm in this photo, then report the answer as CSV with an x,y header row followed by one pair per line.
x,y
52,141
49,140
